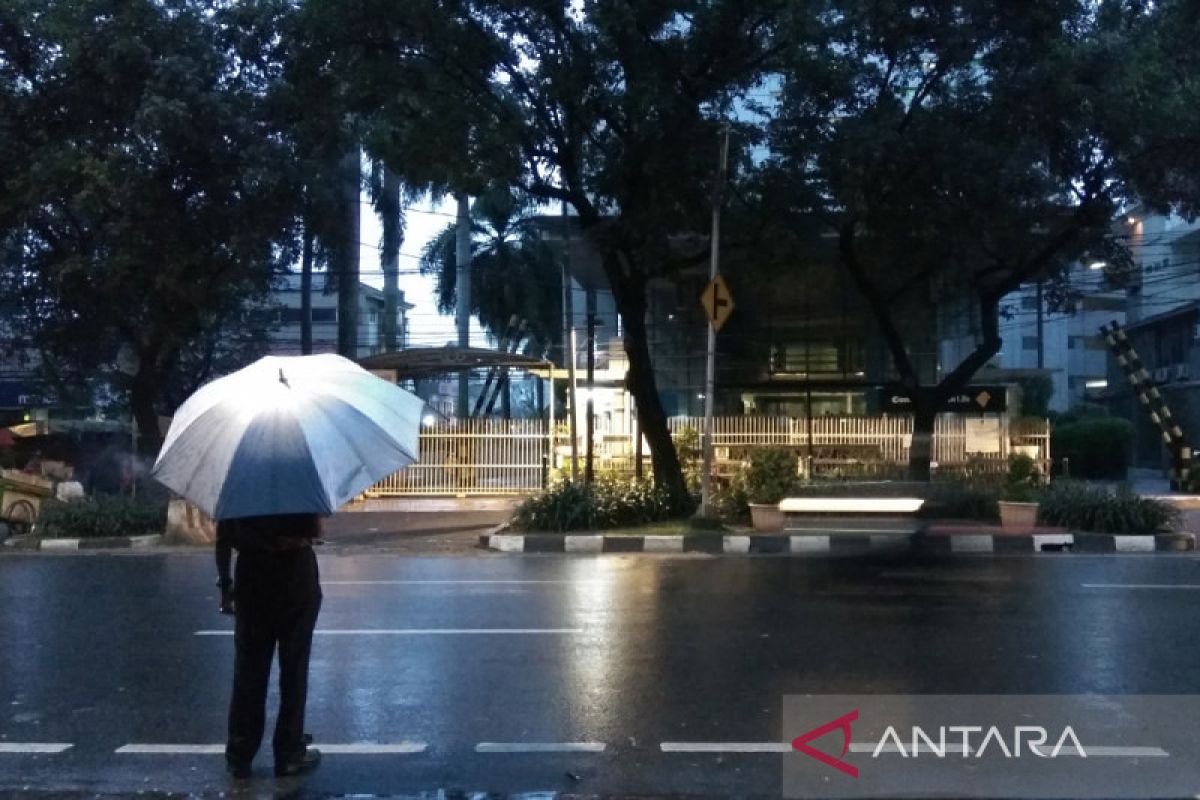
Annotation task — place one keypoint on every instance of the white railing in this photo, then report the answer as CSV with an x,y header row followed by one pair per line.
x,y
493,456
474,456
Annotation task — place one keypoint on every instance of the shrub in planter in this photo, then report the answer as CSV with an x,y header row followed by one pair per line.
x,y
1084,507
102,515
1098,447
610,502
1021,481
770,474
770,477
1018,501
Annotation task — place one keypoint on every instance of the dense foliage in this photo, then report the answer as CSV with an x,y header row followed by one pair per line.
x,y
1097,447
165,157
609,502
102,515
887,134
1096,509
145,203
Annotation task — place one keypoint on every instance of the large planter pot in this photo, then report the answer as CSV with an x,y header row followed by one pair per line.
x,y
766,517
1018,517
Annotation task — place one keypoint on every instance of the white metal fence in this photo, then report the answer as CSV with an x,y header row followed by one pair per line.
x,y
490,456
474,456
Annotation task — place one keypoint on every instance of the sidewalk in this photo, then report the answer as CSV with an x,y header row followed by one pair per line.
x,y
432,525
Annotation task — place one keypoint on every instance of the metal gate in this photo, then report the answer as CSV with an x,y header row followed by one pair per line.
x,y
474,456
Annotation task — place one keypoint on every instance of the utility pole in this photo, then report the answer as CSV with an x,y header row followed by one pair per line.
x,y
462,285
589,467
710,370
569,340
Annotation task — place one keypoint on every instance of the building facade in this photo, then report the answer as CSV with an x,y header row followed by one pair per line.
x,y
284,338
1163,325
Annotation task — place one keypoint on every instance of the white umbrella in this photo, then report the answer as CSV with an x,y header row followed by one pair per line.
x,y
288,436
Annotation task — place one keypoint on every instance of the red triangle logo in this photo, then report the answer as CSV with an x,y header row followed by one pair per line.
x,y
842,723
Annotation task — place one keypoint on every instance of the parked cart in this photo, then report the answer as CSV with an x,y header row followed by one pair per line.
x,y
21,496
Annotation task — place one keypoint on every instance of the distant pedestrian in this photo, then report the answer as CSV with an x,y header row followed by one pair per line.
x,y
275,596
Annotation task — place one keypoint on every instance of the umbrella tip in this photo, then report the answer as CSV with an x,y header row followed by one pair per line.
x,y
283,379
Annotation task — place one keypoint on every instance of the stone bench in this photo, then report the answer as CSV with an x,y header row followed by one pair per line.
x,y
853,516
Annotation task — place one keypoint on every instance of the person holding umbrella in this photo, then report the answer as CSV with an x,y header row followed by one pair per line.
x,y
266,452
276,597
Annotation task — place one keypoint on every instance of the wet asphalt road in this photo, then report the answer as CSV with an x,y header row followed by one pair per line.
x,y
441,655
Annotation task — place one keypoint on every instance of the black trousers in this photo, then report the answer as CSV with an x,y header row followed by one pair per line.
x,y
277,596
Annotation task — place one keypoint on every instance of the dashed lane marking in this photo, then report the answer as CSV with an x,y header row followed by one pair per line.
x,y
425,632
1141,585
368,749
1091,751
725,747
540,747
363,748
171,749
34,747
455,582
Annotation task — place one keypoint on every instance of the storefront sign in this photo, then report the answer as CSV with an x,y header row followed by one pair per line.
x,y
974,399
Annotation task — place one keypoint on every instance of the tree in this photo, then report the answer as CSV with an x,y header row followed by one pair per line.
x,y
386,195
513,272
615,109
149,197
958,150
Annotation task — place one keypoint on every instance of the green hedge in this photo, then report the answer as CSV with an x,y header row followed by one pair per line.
x,y
609,502
1098,447
1095,509
101,515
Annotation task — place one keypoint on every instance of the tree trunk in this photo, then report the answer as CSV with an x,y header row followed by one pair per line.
x,y
347,266
920,454
629,292
144,392
393,238
306,275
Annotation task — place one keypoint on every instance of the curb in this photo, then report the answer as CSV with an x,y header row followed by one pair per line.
x,y
97,543
805,544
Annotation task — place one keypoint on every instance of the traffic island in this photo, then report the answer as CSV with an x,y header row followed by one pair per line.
x,y
936,539
54,544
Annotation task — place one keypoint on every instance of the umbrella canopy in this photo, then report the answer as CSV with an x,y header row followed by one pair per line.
x,y
288,436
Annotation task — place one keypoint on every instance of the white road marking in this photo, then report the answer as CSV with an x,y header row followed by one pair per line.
x,y
368,749
171,749
1092,751
725,747
451,582
364,748
1140,585
540,747
423,631
33,747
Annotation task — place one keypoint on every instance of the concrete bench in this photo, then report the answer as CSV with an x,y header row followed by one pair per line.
x,y
854,516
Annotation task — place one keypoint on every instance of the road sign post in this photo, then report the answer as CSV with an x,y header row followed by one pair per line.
x,y
718,304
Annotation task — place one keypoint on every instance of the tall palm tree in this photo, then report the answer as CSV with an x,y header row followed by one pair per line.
x,y
513,272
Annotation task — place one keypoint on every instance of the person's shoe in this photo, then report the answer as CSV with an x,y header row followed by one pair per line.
x,y
305,763
237,769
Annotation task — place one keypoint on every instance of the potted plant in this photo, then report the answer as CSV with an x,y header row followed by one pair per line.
x,y
770,476
1018,496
